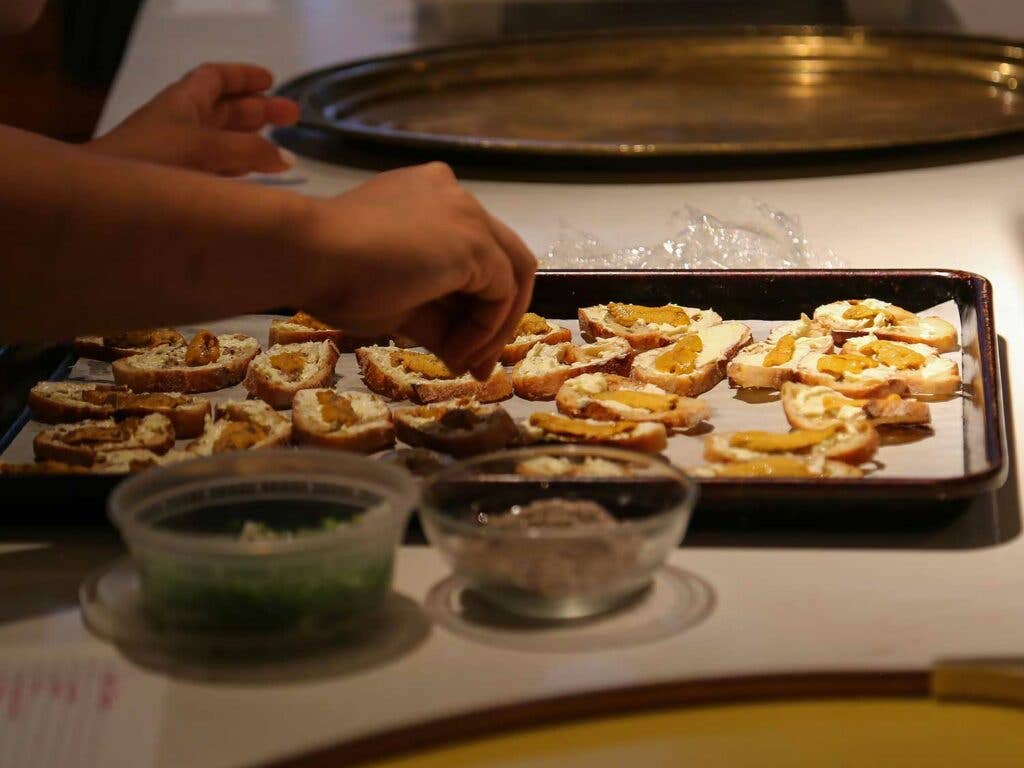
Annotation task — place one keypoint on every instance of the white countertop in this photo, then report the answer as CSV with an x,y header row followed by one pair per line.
x,y
776,609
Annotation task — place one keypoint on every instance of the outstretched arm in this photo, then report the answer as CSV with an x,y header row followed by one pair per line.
x,y
99,244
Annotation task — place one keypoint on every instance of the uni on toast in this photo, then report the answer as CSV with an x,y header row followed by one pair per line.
x,y
239,425
642,326
532,329
83,441
611,397
856,317
644,436
275,376
349,421
208,363
547,366
696,362
461,427
408,374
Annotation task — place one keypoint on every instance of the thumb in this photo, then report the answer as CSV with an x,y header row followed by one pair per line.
x,y
232,153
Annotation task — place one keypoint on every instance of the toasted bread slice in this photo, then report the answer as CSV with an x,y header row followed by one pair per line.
x,y
851,442
645,436
408,374
644,327
696,362
606,396
769,365
781,466
82,441
135,460
349,421
460,427
819,407
275,376
532,329
239,425
918,365
856,317
206,364
108,348
852,375
547,366
58,402
302,327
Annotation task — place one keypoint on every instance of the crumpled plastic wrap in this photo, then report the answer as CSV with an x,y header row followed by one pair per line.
x,y
753,236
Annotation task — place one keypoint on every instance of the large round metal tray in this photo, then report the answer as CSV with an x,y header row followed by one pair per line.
x,y
676,93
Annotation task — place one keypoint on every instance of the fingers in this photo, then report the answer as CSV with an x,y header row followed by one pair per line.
x,y
231,153
212,81
250,113
486,306
524,268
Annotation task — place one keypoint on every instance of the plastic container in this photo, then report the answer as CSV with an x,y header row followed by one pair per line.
x,y
264,544
557,532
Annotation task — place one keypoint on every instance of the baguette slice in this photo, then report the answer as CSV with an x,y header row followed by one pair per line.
x,y
644,436
349,421
532,329
606,396
239,425
850,375
781,465
918,365
58,402
853,443
804,328
405,374
275,376
109,348
460,427
82,442
547,367
769,365
808,407
180,369
856,317
302,327
696,362
643,327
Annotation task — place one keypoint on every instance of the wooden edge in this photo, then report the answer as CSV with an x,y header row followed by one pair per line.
x,y
456,729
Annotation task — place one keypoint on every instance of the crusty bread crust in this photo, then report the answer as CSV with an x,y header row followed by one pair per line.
x,y
686,414
276,390
544,385
857,446
365,436
593,327
153,432
492,430
516,349
135,373
384,379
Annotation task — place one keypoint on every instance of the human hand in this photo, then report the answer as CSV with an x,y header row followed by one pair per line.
x,y
210,121
412,251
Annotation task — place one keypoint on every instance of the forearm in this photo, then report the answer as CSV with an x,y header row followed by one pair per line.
x,y
93,244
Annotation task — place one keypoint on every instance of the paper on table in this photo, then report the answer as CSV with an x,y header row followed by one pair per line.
x,y
79,708
941,455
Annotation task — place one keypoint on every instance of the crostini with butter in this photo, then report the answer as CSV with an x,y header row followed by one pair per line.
x,y
275,376
857,317
460,427
83,441
696,362
409,374
644,436
207,363
642,326
348,421
238,425
606,396
547,367
532,329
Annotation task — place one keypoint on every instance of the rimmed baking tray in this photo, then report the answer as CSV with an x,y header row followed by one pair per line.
x,y
769,295
678,92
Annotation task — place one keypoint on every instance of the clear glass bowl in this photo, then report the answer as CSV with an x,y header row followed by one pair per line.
x,y
521,529
264,542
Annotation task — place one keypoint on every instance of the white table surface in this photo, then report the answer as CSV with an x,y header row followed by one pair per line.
x,y
777,609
